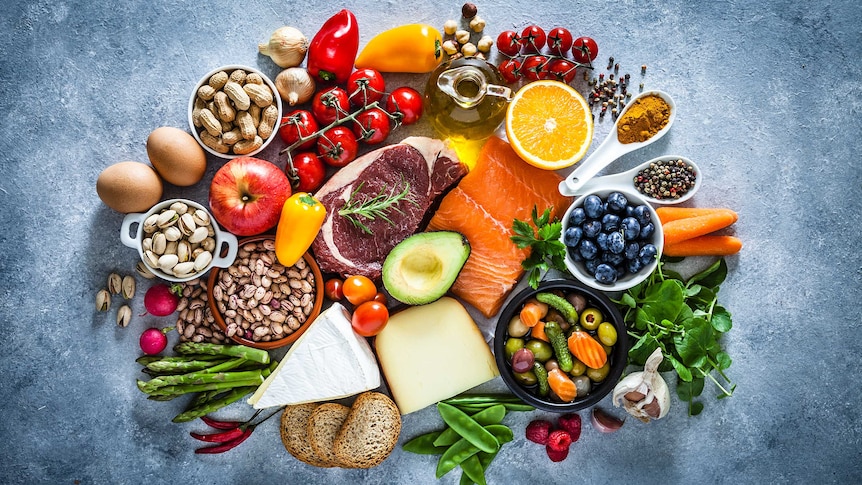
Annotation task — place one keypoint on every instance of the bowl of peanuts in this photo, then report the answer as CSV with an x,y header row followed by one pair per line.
x,y
234,111
258,302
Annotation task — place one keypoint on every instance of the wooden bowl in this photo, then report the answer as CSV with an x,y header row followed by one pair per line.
x,y
213,281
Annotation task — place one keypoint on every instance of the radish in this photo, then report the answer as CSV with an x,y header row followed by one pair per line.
x,y
162,300
154,340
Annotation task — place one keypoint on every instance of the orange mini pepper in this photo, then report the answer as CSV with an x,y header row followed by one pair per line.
x,y
301,218
416,48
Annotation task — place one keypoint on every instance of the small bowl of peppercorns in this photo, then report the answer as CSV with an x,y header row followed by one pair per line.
x,y
666,180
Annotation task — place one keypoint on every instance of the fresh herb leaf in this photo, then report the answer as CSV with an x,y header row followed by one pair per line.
x,y
546,249
376,207
721,320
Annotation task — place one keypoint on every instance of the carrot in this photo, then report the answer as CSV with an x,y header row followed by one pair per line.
x,y
667,214
682,229
705,246
562,385
533,311
539,332
587,349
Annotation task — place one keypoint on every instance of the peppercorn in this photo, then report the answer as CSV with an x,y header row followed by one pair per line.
x,y
666,179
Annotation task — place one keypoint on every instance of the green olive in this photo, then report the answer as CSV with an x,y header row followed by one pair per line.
x,y
517,327
608,349
583,385
541,349
607,334
591,318
598,375
513,345
578,368
525,378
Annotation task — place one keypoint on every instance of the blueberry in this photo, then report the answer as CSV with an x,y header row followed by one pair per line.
x,y
616,243
575,254
602,241
613,259
606,274
647,254
634,265
610,222
588,249
630,211
577,216
631,227
592,228
593,206
641,213
572,236
617,202
647,231
632,250
591,264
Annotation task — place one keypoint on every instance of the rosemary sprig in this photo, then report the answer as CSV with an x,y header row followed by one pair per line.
x,y
375,207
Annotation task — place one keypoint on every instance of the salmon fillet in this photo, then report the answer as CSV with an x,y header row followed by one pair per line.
x,y
501,188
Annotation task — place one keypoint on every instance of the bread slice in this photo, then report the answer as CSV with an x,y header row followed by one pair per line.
x,y
323,426
294,434
370,432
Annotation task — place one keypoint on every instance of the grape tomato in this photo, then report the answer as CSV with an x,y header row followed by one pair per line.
x,y
359,289
369,318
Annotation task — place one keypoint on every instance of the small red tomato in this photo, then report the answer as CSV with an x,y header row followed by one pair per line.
x,y
365,86
372,126
337,146
306,172
535,68
562,70
510,69
508,43
559,41
380,297
359,289
369,318
333,289
298,123
329,105
585,50
406,101
532,39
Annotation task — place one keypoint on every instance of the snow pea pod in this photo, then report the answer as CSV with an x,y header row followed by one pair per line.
x,y
467,427
472,469
424,444
491,415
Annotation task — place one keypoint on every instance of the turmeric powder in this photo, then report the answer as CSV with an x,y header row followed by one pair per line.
x,y
646,117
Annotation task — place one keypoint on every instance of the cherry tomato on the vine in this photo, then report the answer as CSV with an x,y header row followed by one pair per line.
x,y
535,68
329,105
532,39
584,50
562,70
510,69
308,172
333,289
372,126
559,41
508,43
369,318
406,101
298,123
365,86
358,289
337,146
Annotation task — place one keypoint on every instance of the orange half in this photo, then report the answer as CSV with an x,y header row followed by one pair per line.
x,y
549,125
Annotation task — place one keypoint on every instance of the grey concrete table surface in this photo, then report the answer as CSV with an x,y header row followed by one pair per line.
x,y
769,107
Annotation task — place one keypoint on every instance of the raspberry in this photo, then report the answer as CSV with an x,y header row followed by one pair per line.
x,y
538,431
558,445
572,424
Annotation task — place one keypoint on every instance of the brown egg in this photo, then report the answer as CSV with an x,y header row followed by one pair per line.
x,y
129,187
176,156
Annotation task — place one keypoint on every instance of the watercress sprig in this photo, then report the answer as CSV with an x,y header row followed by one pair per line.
x,y
546,249
684,319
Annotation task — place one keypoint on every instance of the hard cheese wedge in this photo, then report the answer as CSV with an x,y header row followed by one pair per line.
x,y
432,352
329,361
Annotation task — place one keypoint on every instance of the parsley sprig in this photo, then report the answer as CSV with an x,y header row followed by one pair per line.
x,y
546,249
686,321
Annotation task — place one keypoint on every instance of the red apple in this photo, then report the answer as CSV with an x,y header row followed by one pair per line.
x,y
247,195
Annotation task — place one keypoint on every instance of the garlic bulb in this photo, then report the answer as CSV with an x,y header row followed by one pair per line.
x,y
644,395
295,85
287,47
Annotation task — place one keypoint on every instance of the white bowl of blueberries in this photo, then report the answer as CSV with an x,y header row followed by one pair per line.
x,y
613,239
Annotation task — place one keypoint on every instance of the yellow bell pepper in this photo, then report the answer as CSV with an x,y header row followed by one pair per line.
x,y
301,218
415,48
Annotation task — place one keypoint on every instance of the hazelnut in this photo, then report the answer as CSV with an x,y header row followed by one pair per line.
x,y
450,27
469,10
477,24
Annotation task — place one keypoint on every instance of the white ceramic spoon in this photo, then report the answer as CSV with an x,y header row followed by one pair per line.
x,y
625,181
611,148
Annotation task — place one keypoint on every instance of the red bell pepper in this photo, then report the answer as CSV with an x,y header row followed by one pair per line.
x,y
333,49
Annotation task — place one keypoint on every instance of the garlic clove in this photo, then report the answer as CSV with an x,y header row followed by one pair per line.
x,y
645,394
604,422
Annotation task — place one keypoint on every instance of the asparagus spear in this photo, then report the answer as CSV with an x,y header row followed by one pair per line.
x,y
202,377
189,388
248,353
227,365
214,405
180,367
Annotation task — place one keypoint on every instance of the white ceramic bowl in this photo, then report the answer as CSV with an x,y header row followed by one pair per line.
x,y
578,269
228,69
223,239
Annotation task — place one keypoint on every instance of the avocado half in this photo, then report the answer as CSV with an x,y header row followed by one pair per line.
x,y
422,268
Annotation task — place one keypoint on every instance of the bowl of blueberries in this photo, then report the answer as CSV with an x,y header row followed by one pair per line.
x,y
613,239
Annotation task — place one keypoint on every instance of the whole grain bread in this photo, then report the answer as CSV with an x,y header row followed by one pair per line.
x,y
294,434
370,432
323,426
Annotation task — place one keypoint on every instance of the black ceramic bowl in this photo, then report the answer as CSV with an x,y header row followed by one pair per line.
x,y
617,358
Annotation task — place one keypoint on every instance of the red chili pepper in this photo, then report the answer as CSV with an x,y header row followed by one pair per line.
x,y
212,423
222,447
333,49
222,437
